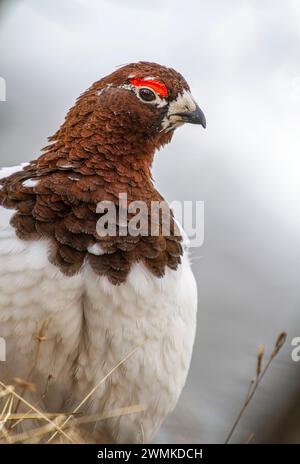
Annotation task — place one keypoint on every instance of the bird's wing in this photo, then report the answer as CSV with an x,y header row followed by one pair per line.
x,y
34,296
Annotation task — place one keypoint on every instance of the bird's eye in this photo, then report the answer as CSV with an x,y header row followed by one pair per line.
x,y
147,94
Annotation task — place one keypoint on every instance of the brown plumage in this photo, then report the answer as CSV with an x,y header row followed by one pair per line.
x,y
115,293
104,147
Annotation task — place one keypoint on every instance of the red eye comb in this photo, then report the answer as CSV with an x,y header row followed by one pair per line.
x,y
153,84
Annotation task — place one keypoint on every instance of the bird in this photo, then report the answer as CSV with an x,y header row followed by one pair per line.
x,y
113,316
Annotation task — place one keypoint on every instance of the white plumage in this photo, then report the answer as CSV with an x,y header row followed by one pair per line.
x,y
92,325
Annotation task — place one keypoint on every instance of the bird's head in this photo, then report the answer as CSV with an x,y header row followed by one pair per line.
x,y
105,148
158,95
138,104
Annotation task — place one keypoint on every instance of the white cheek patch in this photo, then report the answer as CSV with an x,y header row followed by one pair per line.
x,y
159,102
183,103
167,124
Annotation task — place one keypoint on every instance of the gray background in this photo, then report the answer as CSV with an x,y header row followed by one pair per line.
x,y
242,62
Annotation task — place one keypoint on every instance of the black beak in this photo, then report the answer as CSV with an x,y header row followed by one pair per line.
x,y
194,117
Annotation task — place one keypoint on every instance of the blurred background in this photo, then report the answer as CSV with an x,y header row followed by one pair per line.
x,y
241,60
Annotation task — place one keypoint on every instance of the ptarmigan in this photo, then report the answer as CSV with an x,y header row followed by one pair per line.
x,y
98,298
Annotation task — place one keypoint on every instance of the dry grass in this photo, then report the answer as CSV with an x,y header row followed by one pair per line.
x,y
254,383
65,427
53,427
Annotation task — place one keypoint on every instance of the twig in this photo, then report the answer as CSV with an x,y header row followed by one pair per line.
x,y
39,338
35,416
44,430
33,433
24,416
249,439
8,405
260,373
110,414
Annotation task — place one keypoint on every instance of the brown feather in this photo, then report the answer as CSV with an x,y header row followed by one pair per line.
x,y
105,147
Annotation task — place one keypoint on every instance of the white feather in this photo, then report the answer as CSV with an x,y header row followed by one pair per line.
x,y
92,325
30,183
5,172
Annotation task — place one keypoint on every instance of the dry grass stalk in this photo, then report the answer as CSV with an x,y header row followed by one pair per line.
x,y
4,417
111,414
39,432
39,337
32,436
34,416
260,373
31,406
80,420
249,439
129,355
56,423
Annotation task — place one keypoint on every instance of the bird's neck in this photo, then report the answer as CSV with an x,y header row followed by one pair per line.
x,y
60,203
128,167
102,140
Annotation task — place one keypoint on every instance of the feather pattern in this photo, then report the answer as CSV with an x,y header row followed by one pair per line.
x,y
101,297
